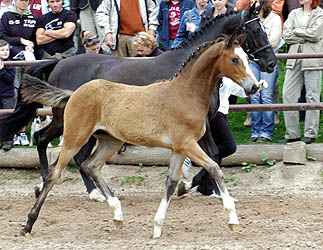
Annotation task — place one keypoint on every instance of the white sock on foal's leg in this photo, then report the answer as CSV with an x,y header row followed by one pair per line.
x,y
115,204
229,204
96,195
160,217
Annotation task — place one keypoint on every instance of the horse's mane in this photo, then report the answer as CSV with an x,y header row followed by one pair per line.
x,y
210,23
199,50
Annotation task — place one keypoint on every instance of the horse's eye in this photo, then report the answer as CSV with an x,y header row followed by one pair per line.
x,y
234,60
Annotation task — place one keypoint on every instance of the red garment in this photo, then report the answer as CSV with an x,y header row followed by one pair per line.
x,y
35,7
130,19
174,19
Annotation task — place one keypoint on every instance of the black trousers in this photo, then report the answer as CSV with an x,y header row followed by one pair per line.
x,y
226,144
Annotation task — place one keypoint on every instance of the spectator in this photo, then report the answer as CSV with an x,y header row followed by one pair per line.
x,y
277,6
123,21
232,3
21,37
303,31
40,7
169,18
55,31
90,43
146,45
263,123
219,7
190,21
87,9
6,5
45,8
35,7
15,32
289,5
7,77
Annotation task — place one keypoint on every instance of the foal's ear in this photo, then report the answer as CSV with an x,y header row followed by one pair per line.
x,y
241,38
232,41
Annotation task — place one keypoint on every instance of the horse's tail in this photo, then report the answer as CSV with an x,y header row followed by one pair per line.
x,y
33,89
24,112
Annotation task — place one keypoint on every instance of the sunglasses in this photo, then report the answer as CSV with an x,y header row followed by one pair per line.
x,y
92,38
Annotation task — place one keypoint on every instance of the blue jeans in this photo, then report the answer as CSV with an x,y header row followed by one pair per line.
x,y
7,103
263,123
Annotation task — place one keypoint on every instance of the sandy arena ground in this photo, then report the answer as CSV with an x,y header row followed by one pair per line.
x,y
280,207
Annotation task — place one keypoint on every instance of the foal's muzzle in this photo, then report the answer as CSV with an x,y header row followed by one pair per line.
x,y
250,86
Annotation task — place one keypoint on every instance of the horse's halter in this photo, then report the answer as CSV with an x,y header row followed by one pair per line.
x,y
251,54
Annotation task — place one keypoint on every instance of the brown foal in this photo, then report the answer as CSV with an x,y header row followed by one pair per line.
x,y
169,114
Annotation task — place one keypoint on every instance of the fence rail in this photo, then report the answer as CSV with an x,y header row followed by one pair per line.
x,y
233,108
279,56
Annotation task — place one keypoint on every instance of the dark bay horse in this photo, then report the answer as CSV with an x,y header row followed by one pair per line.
x,y
73,72
170,114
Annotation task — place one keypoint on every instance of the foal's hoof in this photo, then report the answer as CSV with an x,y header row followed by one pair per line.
x,y
118,223
23,232
37,191
234,227
181,189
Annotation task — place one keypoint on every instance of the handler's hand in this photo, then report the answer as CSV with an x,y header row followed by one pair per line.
x,y
109,40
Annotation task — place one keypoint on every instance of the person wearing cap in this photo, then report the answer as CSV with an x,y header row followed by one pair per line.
x,y
90,43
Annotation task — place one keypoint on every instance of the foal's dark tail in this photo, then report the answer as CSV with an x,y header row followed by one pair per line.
x,y
34,90
24,112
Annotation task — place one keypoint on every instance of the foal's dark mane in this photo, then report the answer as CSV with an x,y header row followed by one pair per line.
x,y
195,55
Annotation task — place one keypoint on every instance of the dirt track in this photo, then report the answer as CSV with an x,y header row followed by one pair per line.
x,y
280,207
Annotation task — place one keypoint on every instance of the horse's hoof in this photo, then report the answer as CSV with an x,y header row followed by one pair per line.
x,y
118,223
234,227
37,191
23,232
181,189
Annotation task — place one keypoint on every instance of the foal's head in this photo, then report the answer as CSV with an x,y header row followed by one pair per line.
x,y
233,64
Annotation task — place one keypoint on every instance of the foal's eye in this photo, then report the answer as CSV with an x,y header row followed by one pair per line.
x,y
234,60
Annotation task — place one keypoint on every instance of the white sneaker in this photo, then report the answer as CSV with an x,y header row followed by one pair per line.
x,y
216,195
16,140
24,139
